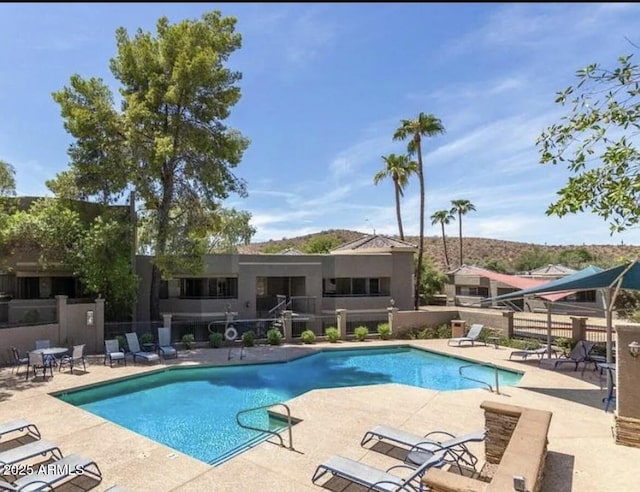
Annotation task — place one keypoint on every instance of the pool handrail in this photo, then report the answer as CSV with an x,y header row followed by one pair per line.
x,y
269,431
486,364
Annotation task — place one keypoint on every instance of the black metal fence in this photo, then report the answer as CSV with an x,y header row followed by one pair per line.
x,y
527,326
368,320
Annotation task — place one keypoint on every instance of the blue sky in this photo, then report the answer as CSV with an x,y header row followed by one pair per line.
x,y
325,86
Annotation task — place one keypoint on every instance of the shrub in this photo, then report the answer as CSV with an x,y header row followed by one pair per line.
x,y
248,338
146,338
444,330
565,344
360,333
274,336
189,340
332,333
384,330
215,340
308,336
122,342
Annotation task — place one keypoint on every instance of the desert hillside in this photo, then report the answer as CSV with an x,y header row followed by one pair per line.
x,y
477,251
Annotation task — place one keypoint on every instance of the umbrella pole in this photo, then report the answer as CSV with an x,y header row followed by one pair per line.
x,y
548,306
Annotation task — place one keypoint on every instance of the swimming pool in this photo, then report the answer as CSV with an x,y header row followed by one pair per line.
x,y
193,409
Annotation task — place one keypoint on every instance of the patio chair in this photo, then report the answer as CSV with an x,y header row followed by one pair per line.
x,y
580,353
17,361
51,477
28,451
164,343
112,352
19,425
431,442
77,356
472,336
42,344
526,352
134,347
38,361
374,478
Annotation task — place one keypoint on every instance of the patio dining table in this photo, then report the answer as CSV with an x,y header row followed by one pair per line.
x,y
51,352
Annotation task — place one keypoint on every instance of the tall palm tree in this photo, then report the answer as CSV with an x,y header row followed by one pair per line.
x,y
443,217
461,207
425,125
399,168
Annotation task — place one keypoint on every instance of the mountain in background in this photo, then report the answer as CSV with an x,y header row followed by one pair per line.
x,y
477,251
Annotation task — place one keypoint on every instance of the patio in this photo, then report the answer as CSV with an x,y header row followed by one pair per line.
x,y
579,425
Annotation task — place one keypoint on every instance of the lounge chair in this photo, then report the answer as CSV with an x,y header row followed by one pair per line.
x,y
77,356
112,352
580,353
50,476
418,444
472,336
526,352
164,343
374,478
19,425
134,347
27,451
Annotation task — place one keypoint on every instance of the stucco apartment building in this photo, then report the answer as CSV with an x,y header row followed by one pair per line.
x,y
370,273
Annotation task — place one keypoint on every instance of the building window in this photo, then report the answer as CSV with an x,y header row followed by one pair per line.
x,y
582,296
355,287
209,288
28,287
464,290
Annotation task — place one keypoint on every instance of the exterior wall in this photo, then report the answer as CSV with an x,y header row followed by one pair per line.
x,y
628,373
24,338
405,320
246,268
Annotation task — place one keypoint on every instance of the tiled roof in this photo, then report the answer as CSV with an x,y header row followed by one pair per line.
x,y
374,243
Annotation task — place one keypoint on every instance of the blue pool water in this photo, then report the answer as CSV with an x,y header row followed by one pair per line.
x,y
193,409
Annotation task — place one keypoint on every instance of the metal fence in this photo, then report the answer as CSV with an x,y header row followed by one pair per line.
x,y
119,328
368,320
528,326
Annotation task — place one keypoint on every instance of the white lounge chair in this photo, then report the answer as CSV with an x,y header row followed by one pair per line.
x,y
540,352
472,336
27,451
164,343
49,477
374,478
134,348
19,425
431,442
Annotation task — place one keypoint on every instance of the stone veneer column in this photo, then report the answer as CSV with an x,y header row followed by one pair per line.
x,y
341,321
627,394
166,320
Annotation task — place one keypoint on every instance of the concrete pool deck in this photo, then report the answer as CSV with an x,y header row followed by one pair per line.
x,y
582,453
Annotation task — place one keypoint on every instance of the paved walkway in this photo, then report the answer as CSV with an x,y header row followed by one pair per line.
x,y
582,453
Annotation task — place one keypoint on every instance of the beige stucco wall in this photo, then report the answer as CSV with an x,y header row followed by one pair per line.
x,y
397,266
24,338
404,320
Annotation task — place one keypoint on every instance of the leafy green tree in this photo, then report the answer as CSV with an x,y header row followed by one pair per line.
x,y
167,140
533,258
234,229
461,207
97,252
432,281
575,257
425,125
443,217
321,244
496,265
398,168
7,179
597,141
